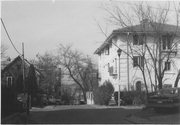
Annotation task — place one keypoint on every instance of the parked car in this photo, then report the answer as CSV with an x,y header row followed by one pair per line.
x,y
54,101
44,99
165,100
58,101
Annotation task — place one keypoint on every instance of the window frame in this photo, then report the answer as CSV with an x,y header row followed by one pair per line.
x,y
115,66
167,66
7,82
139,39
107,50
139,61
167,42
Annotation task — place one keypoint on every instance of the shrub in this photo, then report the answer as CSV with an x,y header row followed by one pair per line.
x,y
66,97
131,97
103,94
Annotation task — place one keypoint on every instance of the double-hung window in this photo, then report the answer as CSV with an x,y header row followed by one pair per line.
x,y
138,61
115,66
107,50
167,66
138,39
166,42
9,81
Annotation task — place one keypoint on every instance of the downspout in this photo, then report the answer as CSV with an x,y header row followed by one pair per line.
x,y
128,62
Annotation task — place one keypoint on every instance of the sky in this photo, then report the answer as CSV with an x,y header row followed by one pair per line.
x,y
42,25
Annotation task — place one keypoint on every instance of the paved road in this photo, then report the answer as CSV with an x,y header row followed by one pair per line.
x,y
80,115
88,114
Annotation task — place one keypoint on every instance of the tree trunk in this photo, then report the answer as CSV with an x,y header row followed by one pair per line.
x,y
160,83
177,79
84,95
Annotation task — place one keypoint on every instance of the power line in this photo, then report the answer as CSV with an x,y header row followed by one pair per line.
x,y
9,37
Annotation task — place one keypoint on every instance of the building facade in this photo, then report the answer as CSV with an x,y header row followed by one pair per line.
x,y
140,46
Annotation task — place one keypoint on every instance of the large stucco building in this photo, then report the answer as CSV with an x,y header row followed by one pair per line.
x,y
134,41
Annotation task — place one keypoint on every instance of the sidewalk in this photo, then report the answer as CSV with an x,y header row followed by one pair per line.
x,y
123,107
17,118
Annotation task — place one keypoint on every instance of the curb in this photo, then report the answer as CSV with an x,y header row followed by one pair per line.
x,y
123,107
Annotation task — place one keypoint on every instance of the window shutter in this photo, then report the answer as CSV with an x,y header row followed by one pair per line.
x,y
141,39
141,61
164,43
169,41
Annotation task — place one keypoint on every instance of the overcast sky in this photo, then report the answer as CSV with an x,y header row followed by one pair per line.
x,y
42,25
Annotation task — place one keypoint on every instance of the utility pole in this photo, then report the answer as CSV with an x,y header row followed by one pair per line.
x,y
25,93
23,72
23,68
60,84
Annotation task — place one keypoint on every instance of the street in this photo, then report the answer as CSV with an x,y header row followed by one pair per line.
x,y
84,114
91,114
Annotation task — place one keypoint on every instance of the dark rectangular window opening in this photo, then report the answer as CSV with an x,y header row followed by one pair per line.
x,y
107,50
167,66
135,61
9,81
138,61
166,42
138,39
135,39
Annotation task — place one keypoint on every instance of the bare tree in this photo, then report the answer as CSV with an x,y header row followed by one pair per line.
x,y
47,65
152,22
79,67
3,51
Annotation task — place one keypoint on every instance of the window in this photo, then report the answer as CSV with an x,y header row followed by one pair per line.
x,y
115,68
166,42
138,61
107,50
138,39
9,81
108,67
167,66
138,86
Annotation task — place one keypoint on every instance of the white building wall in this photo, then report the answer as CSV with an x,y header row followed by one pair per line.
x,y
134,73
